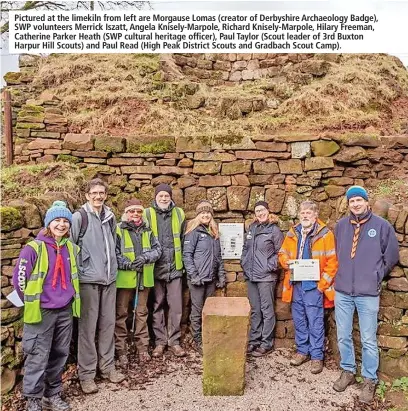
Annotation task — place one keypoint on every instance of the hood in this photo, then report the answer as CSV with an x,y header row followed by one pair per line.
x,y
47,240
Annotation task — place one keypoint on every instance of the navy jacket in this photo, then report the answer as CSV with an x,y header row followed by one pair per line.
x,y
259,258
377,253
202,257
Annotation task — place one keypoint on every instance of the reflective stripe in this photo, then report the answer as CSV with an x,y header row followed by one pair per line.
x,y
325,253
330,252
327,277
31,298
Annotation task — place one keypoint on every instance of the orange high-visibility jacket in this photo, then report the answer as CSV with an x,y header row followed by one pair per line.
x,y
323,249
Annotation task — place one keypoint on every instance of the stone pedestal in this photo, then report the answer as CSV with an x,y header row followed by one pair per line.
x,y
225,338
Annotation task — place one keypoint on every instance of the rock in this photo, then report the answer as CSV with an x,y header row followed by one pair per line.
x,y
387,298
141,170
195,101
8,379
120,161
292,166
318,163
290,207
271,146
186,181
185,163
45,134
207,167
30,212
402,218
225,338
80,142
10,314
294,137
315,67
193,195
237,289
214,156
44,144
362,140
238,197
392,214
53,118
257,194
334,191
390,314
31,126
233,143
4,333
398,284
192,144
11,218
275,198
110,144
214,181
218,198
282,310
351,154
392,342
300,149
263,167
381,208
401,300
236,167
397,271
394,367
242,180
324,148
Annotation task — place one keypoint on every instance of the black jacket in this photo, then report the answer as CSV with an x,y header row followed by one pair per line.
x,y
202,257
136,232
259,258
165,267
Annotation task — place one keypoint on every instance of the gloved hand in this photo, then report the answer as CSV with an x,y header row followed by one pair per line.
x,y
138,263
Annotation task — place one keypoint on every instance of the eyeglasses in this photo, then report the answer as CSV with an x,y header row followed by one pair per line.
x,y
97,194
135,211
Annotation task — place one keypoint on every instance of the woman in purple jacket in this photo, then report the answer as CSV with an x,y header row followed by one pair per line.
x,y
45,277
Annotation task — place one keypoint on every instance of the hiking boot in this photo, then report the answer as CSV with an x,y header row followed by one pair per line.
x,y
299,359
251,348
55,403
316,366
34,404
89,386
114,376
368,391
177,350
260,351
144,356
123,361
346,378
158,351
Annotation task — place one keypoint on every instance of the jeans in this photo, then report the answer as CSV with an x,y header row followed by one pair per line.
x,y
367,309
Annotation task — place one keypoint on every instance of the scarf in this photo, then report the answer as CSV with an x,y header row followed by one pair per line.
x,y
357,223
59,268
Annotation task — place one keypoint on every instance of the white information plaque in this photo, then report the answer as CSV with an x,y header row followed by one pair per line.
x,y
305,270
232,240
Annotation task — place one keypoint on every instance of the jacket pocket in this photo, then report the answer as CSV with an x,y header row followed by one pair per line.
x,y
30,344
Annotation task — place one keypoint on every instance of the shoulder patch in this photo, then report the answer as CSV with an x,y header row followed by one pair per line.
x,y
372,232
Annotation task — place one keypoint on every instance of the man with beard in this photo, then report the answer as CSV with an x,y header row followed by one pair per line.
x,y
167,223
310,239
367,249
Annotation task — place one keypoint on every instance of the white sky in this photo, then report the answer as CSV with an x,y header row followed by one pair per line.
x,y
10,62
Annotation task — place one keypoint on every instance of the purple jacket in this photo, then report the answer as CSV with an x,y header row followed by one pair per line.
x,y
377,253
50,298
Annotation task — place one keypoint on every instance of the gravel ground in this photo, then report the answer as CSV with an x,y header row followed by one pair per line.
x,y
271,384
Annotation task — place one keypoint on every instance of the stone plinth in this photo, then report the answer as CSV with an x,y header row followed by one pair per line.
x,y
225,338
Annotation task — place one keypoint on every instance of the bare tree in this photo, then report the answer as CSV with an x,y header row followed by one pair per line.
x,y
7,6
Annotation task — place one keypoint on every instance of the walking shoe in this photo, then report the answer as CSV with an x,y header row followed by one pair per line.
x,y
251,348
89,386
299,359
316,366
158,351
34,404
144,356
123,361
114,376
346,378
177,350
55,403
260,351
368,391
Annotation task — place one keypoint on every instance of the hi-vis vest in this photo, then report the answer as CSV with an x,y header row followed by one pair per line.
x,y
127,279
34,287
177,218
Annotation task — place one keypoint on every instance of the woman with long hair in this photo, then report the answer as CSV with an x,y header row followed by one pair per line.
x,y
259,261
203,264
46,278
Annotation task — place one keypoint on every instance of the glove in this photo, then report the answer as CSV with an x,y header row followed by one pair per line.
x,y
138,263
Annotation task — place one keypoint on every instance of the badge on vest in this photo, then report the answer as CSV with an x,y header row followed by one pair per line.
x,y
249,235
203,235
372,233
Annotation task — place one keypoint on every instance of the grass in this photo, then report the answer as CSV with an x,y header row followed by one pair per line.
x,y
125,94
389,188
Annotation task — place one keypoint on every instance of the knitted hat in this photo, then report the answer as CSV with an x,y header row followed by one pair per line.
x,y
134,203
356,191
204,205
57,210
263,204
163,187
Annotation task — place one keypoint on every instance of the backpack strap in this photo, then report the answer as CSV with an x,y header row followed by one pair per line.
x,y
84,225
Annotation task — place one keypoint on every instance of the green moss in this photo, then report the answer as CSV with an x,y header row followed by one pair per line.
x,y
32,108
12,77
155,147
228,139
19,140
11,219
68,158
32,126
110,144
31,115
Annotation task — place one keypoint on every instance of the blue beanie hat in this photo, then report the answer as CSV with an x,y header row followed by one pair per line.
x,y
356,191
57,210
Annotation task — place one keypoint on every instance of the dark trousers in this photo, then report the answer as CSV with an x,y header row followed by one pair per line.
x,y
170,292
97,321
124,297
199,293
46,348
308,319
262,299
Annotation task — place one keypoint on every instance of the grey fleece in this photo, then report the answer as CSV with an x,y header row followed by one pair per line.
x,y
97,258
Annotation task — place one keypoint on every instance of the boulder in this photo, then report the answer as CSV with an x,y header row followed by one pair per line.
x,y
80,142
9,315
218,198
397,343
292,166
11,218
237,289
318,163
257,194
300,149
110,144
193,195
263,167
225,339
275,197
238,197
236,167
351,154
398,284
8,379
44,144
324,148
192,144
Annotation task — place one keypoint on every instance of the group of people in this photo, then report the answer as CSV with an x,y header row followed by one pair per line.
x,y
85,264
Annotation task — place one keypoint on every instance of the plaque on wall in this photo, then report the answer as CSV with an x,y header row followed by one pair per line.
x,y
232,240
